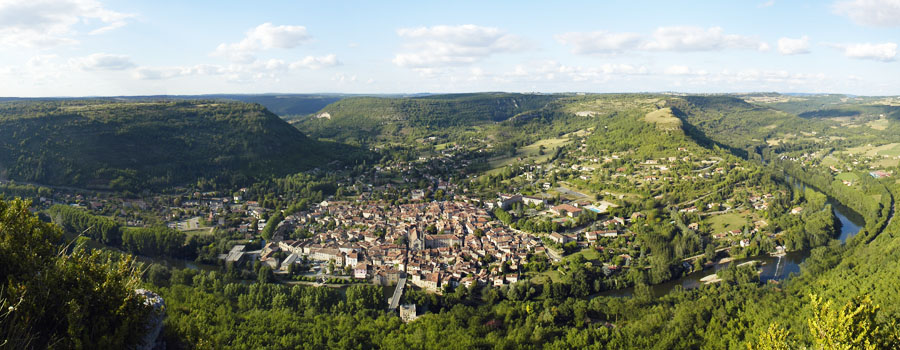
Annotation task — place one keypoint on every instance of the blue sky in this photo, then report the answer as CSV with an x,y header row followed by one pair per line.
x,y
116,47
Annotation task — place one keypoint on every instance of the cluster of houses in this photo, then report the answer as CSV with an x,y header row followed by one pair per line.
x,y
433,244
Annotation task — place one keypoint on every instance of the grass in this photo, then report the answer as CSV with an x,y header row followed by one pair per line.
x,y
728,222
443,146
529,152
664,119
885,163
891,149
830,160
547,276
203,231
589,254
880,124
848,177
553,274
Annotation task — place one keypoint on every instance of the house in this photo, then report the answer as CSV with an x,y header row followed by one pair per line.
x,y
236,255
291,259
408,313
327,254
879,174
432,282
796,210
361,271
507,200
566,210
608,233
393,276
352,259
531,200
440,241
559,238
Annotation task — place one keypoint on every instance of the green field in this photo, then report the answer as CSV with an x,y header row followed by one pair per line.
x,y
203,231
547,276
830,160
529,153
728,222
891,149
885,163
848,177
587,253
443,146
880,124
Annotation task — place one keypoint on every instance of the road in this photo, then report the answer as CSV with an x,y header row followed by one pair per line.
x,y
701,255
553,254
398,291
66,188
567,191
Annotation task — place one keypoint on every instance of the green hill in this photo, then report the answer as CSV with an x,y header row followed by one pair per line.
x,y
367,119
134,145
284,105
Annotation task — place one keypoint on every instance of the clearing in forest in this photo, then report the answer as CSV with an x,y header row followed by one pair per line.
x,y
664,119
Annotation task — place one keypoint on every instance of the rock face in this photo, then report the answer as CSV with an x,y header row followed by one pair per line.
x,y
153,341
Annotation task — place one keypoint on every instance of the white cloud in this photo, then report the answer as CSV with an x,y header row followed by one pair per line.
x,y
102,61
884,52
555,71
683,70
311,62
788,46
599,41
747,79
264,37
679,39
769,3
878,13
43,23
39,70
688,38
257,70
157,73
442,45
344,78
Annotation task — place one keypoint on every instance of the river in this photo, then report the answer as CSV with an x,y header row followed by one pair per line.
x,y
773,268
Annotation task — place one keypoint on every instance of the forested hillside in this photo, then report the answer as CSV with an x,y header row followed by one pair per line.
x,y
367,119
285,106
136,145
732,121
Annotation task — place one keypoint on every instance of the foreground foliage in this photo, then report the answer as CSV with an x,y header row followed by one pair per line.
x,y
55,299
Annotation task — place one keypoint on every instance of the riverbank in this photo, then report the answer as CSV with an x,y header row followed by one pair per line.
x,y
772,268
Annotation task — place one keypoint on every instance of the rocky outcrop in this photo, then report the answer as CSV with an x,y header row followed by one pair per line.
x,y
152,340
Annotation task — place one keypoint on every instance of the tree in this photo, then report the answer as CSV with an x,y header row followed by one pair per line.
x,y
850,327
773,338
82,299
272,224
265,274
158,275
